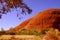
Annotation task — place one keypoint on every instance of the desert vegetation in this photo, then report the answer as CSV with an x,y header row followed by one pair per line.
x,y
22,32
52,34
19,37
46,34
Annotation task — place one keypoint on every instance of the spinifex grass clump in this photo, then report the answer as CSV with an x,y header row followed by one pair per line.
x,y
52,34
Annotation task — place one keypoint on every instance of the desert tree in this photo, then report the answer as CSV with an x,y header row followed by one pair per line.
x,y
2,32
7,5
11,31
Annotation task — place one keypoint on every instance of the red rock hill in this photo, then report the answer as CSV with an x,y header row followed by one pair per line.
x,y
45,19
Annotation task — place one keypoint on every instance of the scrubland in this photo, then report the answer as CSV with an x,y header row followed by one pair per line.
x,y
50,34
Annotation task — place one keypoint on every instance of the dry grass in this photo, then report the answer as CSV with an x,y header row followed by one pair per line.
x,y
51,34
19,37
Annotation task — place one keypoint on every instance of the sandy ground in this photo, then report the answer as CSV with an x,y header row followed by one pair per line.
x,y
19,37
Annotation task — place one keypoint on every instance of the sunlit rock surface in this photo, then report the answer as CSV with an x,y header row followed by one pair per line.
x,y
45,19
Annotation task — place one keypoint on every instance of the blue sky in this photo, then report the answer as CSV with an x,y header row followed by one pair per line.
x,y
11,20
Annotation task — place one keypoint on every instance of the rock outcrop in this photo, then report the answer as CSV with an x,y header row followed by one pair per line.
x,y
45,19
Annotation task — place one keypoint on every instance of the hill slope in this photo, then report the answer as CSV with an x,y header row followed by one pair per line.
x,y
45,19
22,25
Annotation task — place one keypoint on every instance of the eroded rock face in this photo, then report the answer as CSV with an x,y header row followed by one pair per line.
x,y
45,19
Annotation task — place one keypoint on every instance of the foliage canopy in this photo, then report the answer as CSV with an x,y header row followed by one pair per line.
x,y
8,4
